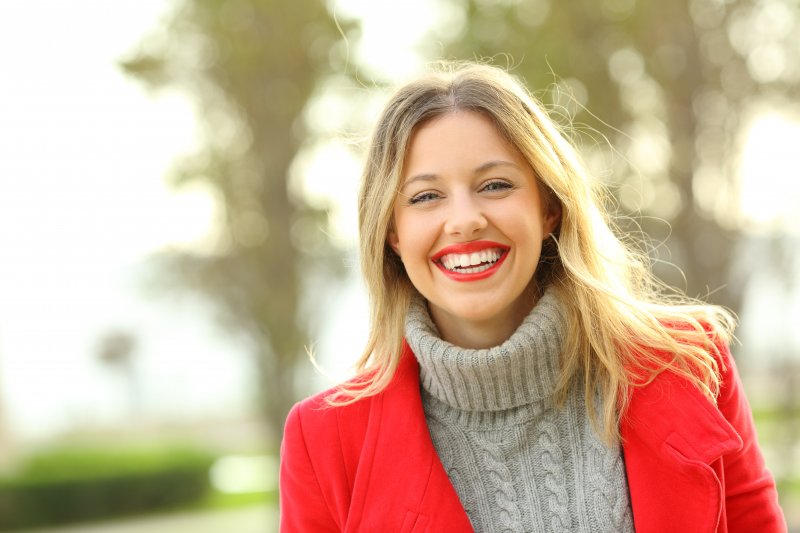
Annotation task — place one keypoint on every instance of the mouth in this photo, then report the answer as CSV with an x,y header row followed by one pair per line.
x,y
471,261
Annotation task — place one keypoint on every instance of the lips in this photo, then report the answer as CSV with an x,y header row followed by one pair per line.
x,y
471,261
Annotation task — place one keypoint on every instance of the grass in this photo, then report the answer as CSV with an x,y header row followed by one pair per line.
x,y
221,500
778,430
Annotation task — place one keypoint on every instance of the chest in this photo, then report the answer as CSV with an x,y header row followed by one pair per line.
x,y
537,467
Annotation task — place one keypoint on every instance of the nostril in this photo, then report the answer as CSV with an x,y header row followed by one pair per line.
x,y
466,223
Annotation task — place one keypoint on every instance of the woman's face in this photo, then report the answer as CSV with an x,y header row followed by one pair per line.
x,y
469,221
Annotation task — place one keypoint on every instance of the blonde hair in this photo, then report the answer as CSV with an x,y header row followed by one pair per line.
x,y
624,326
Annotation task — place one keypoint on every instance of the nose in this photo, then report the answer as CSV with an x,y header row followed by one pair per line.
x,y
465,218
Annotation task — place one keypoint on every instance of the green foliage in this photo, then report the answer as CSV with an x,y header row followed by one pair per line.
x,y
70,485
777,426
220,500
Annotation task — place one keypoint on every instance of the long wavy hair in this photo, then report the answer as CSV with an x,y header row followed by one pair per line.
x,y
624,325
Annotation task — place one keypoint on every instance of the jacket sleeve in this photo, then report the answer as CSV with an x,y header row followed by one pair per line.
x,y
751,500
302,503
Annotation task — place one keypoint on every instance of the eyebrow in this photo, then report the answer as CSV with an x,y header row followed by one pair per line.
x,y
492,164
480,169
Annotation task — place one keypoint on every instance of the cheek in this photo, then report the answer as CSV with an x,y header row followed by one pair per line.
x,y
413,228
523,221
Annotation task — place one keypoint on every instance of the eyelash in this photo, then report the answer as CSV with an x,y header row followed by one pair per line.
x,y
428,196
503,185
423,197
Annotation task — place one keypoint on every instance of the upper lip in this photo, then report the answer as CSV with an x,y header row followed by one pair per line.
x,y
467,248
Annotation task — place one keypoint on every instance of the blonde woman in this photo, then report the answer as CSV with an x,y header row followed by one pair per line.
x,y
524,371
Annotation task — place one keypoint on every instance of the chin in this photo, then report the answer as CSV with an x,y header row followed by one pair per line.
x,y
476,311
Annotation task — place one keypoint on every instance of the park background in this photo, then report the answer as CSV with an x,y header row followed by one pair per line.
x,y
178,218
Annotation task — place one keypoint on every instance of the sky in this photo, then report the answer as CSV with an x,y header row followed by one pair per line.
x,y
84,152
771,173
83,202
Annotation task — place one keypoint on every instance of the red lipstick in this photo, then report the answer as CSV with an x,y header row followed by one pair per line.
x,y
468,248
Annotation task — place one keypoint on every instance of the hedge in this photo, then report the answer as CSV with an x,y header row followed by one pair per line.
x,y
63,486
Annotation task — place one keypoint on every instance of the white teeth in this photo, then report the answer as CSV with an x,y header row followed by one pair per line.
x,y
471,263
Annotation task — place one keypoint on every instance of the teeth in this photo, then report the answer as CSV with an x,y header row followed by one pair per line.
x,y
471,263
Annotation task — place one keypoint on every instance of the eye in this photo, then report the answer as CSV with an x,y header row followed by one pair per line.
x,y
423,197
497,186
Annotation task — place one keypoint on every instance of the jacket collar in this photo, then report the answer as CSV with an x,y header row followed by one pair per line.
x,y
404,463
671,410
673,439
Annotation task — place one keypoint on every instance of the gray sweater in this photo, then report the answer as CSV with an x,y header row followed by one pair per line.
x,y
517,461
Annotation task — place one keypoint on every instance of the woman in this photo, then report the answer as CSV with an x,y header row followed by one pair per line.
x,y
524,370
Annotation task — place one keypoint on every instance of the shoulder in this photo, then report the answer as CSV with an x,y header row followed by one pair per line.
x,y
319,457
320,454
691,349
315,419
677,385
318,425
671,393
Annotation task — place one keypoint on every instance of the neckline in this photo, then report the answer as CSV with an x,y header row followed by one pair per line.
x,y
523,369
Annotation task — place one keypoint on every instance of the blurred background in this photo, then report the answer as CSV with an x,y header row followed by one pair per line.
x,y
178,218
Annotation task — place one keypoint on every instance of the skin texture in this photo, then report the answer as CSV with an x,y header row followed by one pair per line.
x,y
464,183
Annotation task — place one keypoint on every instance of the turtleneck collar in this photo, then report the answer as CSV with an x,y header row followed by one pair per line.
x,y
522,370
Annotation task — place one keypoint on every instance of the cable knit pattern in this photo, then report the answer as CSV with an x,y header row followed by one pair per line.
x,y
517,461
456,446
500,478
605,490
554,478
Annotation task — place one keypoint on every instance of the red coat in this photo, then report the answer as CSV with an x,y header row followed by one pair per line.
x,y
371,466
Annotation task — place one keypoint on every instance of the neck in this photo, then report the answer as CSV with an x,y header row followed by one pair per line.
x,y
519,370
481,334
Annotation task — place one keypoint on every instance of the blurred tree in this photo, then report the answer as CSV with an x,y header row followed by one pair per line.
x,y
251,66
116,350
674,77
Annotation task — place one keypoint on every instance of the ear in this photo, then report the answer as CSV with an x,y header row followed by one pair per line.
x,y
552,218
393,241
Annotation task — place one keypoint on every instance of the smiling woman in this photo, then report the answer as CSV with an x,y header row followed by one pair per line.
x,y
468,226
518,350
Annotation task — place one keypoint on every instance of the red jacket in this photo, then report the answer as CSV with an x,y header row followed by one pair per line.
x,y
371,466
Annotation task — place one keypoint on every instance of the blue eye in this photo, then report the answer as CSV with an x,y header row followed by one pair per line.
x,y
496,186
423,197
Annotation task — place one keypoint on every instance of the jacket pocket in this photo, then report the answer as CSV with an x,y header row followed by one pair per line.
x,y
414,523
698,484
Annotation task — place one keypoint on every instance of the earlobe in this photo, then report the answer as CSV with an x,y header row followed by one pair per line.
x,y
552,219
393,242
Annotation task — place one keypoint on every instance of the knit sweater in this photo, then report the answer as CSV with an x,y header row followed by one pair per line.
x,y
518,462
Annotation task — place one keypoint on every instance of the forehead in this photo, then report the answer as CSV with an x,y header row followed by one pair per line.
x,y
461,138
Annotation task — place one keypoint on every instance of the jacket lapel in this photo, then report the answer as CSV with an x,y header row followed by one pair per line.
x,y
403,486
673,440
